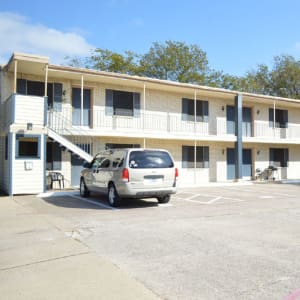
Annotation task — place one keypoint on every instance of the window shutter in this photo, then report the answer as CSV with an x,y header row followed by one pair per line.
x,y
271,117
22,86
185,156
136,105
109,102
285,157
272,157
205,111
285,119
185,106
57,103
206,157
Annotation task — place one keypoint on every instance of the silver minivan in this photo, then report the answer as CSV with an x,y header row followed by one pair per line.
x,y
130,173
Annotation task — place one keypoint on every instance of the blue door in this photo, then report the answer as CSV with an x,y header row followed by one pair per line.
x,y
230,119
246,167
76,105
230,163
247,163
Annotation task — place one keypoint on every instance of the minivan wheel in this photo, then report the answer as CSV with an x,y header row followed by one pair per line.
x,y
113,197
164,199
84,192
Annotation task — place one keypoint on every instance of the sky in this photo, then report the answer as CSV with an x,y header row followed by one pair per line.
x,y
237,35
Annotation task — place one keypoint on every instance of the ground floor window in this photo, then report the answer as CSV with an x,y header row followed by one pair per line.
x,y
188,157
279,157
27,146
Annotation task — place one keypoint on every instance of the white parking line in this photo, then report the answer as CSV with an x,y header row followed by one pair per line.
x,y
214,200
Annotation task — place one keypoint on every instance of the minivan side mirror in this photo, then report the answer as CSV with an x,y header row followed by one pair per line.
x,y
87,165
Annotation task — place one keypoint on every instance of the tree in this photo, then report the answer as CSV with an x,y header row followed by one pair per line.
x,y
106,60
257,81
285,77
170,60
175,61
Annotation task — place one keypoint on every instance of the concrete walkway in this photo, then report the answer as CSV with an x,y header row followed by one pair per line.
x,y
39,261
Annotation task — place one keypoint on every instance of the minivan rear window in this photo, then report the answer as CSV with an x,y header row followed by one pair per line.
x,y
150,159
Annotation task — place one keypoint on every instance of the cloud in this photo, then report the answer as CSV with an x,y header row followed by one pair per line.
x,y
18,34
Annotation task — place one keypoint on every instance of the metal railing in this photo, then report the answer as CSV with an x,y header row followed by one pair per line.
x,y
59,123
263,129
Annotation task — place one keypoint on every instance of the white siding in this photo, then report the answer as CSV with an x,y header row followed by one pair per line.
x,y
28,181
29,109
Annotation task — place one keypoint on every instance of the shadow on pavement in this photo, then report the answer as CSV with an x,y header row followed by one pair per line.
x,y
98,202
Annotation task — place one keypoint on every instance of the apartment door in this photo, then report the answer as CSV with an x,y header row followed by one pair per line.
x,y
81,113
77,164
76,167
230,163
246,163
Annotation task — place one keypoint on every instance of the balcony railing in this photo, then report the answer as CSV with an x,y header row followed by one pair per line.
x,y
262,129
150,122
161,123
23,109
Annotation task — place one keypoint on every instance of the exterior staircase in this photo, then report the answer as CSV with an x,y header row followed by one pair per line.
x,y
59,129
69,145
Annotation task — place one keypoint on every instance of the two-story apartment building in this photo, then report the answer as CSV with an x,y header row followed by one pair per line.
x,y
55,117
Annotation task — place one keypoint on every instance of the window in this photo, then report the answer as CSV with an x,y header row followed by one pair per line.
x,y
104,164
188,157
150,159
188,110
281,118
120,146
27,146
37,88
53,156
121,103
279,157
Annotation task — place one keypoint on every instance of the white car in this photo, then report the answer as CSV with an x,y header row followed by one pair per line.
x,y
130,173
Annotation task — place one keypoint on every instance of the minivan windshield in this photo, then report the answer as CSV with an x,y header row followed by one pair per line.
x,y
150,159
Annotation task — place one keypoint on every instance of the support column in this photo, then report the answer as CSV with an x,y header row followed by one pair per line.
x,y
81,102
144,112
15,76
46,96
238,132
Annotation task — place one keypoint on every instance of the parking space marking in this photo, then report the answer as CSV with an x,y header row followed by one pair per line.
x,y
209,202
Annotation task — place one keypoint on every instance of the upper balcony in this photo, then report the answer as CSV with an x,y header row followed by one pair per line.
x,y
21,110
163,124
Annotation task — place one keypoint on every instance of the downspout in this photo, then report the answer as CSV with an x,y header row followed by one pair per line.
x,y
81,102
144,114
11,136
44,136
11,155
274,117
46,96
195,141
238,133
15,76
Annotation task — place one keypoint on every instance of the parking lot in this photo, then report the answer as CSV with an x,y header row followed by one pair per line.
x,y
219,242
